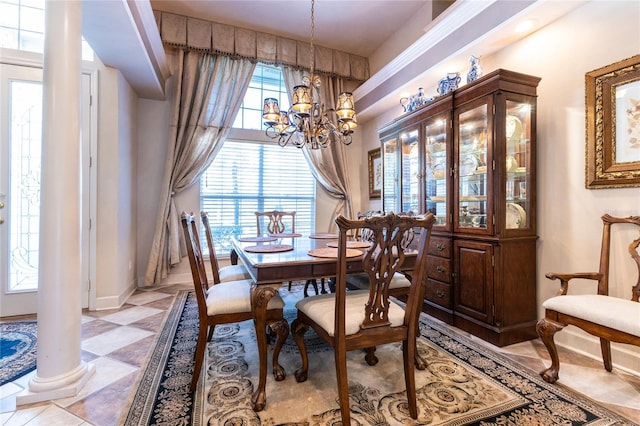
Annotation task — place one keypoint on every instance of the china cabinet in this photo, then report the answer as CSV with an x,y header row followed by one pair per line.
x,y
469,157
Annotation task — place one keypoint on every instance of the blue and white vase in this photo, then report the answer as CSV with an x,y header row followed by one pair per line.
x,y
475,71
449,83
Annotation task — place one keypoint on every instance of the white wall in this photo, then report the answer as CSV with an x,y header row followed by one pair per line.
x,y
569,226
116,189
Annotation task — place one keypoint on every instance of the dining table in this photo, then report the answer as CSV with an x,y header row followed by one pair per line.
x,y
273,261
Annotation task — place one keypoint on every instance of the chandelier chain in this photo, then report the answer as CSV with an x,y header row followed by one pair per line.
x,y
313,30
307,122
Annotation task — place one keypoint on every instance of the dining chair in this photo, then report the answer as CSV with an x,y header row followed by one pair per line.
x,y
349,320
225,303
400,281
275,222
226,273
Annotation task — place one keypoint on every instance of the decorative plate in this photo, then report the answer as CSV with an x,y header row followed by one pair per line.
x,y
268,248
513,127
286,235
468,165
324,236
330,252
516,216
256,239
351,244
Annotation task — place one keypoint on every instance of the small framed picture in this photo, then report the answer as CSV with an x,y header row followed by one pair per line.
x,y
375,174
613,125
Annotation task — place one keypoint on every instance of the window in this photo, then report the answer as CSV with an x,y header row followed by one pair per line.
x,y
266,82
249,177
22,27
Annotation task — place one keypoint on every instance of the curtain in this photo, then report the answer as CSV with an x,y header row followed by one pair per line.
x,y
207,93
328,165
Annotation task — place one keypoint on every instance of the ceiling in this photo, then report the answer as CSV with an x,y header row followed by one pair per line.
x,y
354,26
421,50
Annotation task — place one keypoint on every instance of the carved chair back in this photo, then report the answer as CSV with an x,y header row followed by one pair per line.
x,y
212,249
196,262
275,222
603,281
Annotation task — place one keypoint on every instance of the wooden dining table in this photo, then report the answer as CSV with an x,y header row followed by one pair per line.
x,y
269,271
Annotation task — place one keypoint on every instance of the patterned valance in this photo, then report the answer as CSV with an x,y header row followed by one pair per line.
x,y
192,33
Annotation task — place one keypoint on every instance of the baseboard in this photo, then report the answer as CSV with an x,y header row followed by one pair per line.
x,y
115,302
623,357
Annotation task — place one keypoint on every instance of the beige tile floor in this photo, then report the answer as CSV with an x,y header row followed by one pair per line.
x,y
117,342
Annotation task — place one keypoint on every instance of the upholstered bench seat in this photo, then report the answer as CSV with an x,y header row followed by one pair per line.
x,y
612,312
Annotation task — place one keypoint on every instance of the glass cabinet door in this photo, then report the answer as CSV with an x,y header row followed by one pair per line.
x,y
518,164
471,169
410,172
390,190
436,161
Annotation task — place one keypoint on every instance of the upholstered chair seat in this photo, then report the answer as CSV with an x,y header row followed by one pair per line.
x,y
232,297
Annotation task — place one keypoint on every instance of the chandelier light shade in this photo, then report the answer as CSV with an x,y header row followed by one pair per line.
x,y
308,122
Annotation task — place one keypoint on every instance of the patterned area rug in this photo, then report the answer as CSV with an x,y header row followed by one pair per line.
x,y
464,383
17,349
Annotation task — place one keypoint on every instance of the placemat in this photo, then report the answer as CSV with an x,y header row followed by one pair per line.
x,y
351,244
286,235
332,252
256,239
268,248
324,236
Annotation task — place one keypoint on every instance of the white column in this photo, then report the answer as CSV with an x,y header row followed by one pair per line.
x,y
60,371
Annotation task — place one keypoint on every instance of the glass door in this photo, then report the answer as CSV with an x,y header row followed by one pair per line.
x,y
20,142
518,165
472,212
390,190
437,160
410,176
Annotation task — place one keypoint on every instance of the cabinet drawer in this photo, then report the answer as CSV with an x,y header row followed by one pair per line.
x,y
438,292
439,268
440,247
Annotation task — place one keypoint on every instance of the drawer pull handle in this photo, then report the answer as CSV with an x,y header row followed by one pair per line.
x,y
440,247
440,269
440,294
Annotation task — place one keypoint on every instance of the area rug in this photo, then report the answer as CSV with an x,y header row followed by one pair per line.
x,y
17,349
463,384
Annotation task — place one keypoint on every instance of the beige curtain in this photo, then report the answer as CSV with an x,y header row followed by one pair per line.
x,y
328,165
207,94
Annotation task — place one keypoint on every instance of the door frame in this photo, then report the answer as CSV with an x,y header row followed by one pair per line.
x,y
89,134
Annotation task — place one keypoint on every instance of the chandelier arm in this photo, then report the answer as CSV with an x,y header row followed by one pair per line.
x,y
308,121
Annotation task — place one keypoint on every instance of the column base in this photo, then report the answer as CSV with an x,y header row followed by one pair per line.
x,y
39,391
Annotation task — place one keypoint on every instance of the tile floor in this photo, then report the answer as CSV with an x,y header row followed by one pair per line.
x,y
117,342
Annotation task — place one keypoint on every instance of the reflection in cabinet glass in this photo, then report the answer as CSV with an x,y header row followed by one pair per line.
x,y
410,172
389,175
472,168
436,167
517,131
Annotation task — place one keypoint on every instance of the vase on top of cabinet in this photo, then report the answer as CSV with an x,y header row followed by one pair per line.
x,y
474,168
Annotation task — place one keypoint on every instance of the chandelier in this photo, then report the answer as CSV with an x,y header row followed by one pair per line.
x,y
308,122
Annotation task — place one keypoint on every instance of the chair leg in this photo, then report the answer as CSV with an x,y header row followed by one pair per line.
x,y
323,290
298,328
408,358
281,328
289,288
314,283
546,329
211,330
370,356
199,355
343,385
605,347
